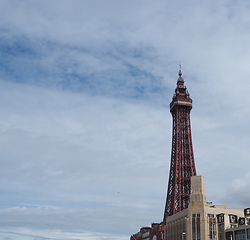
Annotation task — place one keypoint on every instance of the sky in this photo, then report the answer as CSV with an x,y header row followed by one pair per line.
x,y
85,127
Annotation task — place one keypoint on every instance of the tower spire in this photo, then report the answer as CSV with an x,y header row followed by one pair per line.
x,y
180,72
182,165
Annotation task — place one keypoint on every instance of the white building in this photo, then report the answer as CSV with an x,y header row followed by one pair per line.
x,y
202,220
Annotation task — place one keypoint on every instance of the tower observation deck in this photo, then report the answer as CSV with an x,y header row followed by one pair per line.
x,y
182,165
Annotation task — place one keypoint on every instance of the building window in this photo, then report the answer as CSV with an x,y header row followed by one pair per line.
x,y
196,227
212,226
194,235
248,221
248,233
198,235
193,228
240,235
229,235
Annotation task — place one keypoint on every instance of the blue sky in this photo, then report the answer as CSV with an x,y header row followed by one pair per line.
x,y
85,123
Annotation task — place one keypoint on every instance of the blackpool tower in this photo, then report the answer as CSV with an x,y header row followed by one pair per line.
x,y
182,165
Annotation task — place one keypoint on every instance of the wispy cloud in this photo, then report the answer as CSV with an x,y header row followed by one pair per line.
x,y
84,120
31,234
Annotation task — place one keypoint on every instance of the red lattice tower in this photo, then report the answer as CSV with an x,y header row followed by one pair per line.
x,y
182,157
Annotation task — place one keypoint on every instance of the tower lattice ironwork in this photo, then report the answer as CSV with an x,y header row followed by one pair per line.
x,y
182,165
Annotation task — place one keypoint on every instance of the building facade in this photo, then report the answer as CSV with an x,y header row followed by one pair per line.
x,y
155,232
204,221
241,228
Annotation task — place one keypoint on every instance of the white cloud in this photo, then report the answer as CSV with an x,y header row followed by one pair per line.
x,y
31,234
95,130
82,151
237,190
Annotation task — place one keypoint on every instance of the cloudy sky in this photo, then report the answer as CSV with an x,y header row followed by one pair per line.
x,y
85,128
